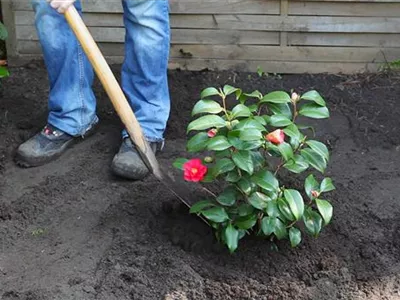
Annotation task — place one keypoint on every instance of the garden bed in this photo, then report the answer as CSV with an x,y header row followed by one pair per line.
x,y
71,230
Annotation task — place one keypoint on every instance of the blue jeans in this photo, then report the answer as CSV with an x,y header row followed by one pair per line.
x,y
72,104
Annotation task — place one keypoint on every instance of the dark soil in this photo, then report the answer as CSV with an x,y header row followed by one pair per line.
x,y
71,230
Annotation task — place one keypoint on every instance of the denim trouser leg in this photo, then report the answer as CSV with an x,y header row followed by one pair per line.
x,y
144,72
72,104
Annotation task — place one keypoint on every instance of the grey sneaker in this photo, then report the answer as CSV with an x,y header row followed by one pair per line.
x,y
127,162
46,146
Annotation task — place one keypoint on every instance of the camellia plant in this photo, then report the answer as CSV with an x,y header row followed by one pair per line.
x,y
251,151
3,36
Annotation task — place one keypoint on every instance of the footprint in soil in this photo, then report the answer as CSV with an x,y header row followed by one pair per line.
x,y
188,231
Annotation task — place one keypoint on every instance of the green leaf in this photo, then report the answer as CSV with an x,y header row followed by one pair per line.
x,y
297,165
259,200
218,143
245,185
280,229
229,90
228,196
276,97
243,160
311,184
254,94
327,185
199,206
249,124
231,238
216,214
319,148
268,225
206,106
284,208
223,165
206,122
232,176
3,32
246,222
258,160
240,110
314,159
314,111
280,121
296,203
314,96
281,109
272,209
294,236
211,91
4,72
198,142
245,209
325,209
209,177
286,150
179,162
295,135
260,120
313,222
235,141
250,135
266,180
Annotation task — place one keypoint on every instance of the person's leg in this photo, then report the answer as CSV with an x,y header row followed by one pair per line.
x,y
144,77
72,104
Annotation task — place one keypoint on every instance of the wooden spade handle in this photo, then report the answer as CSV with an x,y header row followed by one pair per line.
x,y
113,89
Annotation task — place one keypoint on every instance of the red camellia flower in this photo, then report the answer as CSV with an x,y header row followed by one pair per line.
x,y
194,170
276,137
315,194
212,132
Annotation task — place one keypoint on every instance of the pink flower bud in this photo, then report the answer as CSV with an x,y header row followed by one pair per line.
x,y
212,132
276,137
315,194
295,97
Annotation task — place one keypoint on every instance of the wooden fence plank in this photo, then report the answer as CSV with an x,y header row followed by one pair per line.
x,y
344,39
9,22
344,9
254,53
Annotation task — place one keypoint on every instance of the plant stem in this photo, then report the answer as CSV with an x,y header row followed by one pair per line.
x,y
208,191
294,110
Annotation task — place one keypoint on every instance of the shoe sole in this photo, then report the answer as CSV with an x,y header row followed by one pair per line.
x,y
26,162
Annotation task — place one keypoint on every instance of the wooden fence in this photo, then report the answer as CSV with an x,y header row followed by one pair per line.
x,y
280,36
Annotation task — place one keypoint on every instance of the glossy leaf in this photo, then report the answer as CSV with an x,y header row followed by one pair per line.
x,y
198,142
313,222
268,225
216,214
249,124
179,162
232,176
3,32
250,135
246,222
245,209
209,92
199,206
285,210
294,236
327,185
320,148
231,238
280,229
272,208
245,185
314,96
314,159
286,150
4,71
266,180
223,165
276,97
206,122
314,111
311,184
218,143
281,109
279,121
297,164
325,209
255,94
243,160
229,90
295,201
240,110
235,141
228,196
206,106
259,200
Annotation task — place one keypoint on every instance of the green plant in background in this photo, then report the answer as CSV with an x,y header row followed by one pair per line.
x,y
248,150
3,36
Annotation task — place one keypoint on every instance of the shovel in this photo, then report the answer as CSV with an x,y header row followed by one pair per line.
x,y
120,102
